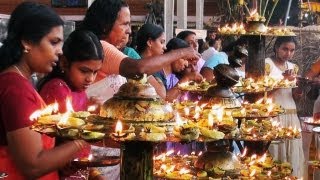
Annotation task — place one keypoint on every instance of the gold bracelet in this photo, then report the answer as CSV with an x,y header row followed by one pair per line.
x,y
78,144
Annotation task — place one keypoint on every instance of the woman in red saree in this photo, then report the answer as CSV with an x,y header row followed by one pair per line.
x,y
33,44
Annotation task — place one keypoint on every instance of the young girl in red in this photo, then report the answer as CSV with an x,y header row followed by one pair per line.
x,y
78,67
82,58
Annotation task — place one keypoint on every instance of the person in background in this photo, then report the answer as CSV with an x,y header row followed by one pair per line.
x,y
211,34
279,67
110,21
191,38
213,44
202,46
220,57
129,51
33,44
168,76
238,60
314,75
152,43
211,63
313,94
112,30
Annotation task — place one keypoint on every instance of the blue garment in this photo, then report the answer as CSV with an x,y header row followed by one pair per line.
x,y
131,53
217,58
170,81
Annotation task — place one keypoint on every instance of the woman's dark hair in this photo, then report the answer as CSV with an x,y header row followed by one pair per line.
x,y
201,47
284,39
101,15
184,34
29,21
146,32
176,43
81,45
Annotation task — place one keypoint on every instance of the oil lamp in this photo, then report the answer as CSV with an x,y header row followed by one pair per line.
x,y
118,131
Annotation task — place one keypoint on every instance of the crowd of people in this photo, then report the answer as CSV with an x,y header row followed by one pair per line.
x,y
96,53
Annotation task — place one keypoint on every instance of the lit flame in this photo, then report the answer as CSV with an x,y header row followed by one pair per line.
x,y
270,108
92,108
66,115
179,121
69,105
244,152
200,153
197,109
186,111
253,157
275,123
163,167
253,12
48,110
243,111
263,158
90,157
253,173
168,153
196,116
269,101
210,120
119,127
184,171
168,107
259,101
203,105
159,156
64,118
170,169
35,115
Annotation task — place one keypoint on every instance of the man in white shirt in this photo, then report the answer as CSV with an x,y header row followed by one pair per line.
x,y
214,47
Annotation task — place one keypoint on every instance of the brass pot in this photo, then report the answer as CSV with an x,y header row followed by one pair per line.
x,y
225,75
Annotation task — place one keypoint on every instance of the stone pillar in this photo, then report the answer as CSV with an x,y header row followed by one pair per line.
x,y
90,2
168,18
182,18
199,14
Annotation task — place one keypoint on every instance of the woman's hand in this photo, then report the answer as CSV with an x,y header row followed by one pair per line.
x,y
97,102
191,76
289,74
190,54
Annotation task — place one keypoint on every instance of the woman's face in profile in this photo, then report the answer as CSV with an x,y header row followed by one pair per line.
x,y
179,65
121,28
158,45
192,41
81,74
44,55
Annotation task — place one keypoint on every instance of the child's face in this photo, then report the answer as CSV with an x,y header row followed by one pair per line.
x,y
82,74
179,65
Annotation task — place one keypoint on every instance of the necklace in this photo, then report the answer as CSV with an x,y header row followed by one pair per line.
x,y
19,71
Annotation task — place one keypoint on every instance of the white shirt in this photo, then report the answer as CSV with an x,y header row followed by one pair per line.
x,y
208,53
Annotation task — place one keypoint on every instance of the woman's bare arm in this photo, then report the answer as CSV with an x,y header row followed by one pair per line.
x,y
33,161
159,87
131,68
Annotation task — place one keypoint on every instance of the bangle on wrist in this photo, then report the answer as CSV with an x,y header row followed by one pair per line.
x,y
78,144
